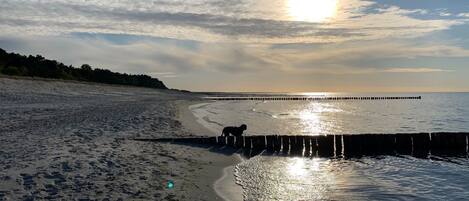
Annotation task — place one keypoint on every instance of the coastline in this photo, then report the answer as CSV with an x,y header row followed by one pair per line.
x,y
223,182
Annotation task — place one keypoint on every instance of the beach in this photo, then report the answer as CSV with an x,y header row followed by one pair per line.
x,y
68,140
72,140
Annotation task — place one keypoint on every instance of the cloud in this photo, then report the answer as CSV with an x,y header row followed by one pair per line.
x,y
356,58
415,70
162,74
445,14
246,21
463,15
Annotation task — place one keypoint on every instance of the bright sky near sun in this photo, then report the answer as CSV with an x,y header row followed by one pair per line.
x,y
254,45
311,10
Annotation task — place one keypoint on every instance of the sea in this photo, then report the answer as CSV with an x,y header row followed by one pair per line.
x,y
278,177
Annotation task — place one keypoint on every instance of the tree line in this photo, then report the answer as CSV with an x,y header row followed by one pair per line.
x,y
37,66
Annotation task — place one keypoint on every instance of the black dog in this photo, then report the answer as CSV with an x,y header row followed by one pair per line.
x,y
235,131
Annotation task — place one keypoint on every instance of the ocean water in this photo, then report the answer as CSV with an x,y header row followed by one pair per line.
x,y
267,177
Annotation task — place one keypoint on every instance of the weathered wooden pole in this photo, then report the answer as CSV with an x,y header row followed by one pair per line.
x,y
247,142
307,143
355,145
421,145
270,143
258,142
404,144
293,145
212,140
239,142
285,144
372,144
221,140
338,145
277,143
314,146
326,145
230,141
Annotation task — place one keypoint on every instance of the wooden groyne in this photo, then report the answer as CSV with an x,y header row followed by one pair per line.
x,y
415,144
308,98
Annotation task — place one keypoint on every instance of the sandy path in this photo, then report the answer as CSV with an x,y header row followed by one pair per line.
x,y
62,141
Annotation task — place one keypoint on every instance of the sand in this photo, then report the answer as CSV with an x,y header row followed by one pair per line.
x,y
70,141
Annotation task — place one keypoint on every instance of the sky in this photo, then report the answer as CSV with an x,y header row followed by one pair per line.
x,y
254,45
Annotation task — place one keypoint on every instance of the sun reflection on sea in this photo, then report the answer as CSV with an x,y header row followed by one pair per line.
x,y
317,117
289,178
297,167
311,121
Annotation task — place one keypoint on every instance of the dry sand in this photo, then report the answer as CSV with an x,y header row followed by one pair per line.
x,y
68,140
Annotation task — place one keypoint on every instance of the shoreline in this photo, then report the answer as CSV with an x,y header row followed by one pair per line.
x,y
224,184
189,120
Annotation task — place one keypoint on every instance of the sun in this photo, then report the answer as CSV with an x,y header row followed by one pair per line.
x,y
311,10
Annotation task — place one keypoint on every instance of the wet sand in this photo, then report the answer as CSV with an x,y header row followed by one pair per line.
x,y
68,140
226,186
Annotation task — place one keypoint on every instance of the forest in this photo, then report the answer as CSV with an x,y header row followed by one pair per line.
x,y
37,66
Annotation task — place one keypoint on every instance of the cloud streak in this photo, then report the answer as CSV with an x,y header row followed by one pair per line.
x,y
415,70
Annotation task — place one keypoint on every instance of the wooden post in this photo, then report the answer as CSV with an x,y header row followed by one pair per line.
x,y
285,144
230,141
353,145
212,140
221,140
404,144
277,143
326,146
247,142
307,142
421,145
239,142
372,144
390,145
270,143
180,140
314,145
338,145
260,142
293,146
437,144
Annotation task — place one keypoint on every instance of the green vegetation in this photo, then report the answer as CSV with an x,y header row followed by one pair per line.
x,y
37,66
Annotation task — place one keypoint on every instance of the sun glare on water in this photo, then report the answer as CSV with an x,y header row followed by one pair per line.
x,y
312,10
